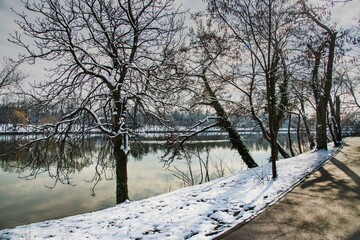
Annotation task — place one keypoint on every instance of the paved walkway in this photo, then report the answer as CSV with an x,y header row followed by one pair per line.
x,y
325,206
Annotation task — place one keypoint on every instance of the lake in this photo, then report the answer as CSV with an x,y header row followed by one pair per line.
x,y
31,192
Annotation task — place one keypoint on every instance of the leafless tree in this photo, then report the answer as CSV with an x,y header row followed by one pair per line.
x,y
9,74
264,28
322,85
110,58
205,60
352,84
302,102
343,101
193,175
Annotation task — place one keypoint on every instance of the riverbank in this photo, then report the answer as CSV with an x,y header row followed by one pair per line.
x,y
199,212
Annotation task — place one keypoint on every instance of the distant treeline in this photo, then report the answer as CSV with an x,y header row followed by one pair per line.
x,y
24,114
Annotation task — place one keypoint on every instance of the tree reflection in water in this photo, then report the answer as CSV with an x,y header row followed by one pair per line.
x,y
60,159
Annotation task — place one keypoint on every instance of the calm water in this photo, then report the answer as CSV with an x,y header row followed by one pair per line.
x,y
30,194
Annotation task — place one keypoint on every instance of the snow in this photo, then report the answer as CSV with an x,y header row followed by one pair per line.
x,y
126,144
111,78
198,212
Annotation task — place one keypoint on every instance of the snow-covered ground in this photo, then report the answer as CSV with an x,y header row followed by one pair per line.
x,y
198,212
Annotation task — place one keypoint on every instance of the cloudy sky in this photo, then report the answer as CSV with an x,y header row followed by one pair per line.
x,y
344,14
7,24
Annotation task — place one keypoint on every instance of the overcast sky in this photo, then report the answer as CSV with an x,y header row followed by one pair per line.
x,y
7,24
7,17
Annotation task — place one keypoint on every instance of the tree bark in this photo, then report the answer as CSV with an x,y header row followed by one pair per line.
x,y
237,143
224,122
338,119
289,137
120,147
324,99
321,129
323,88
335,120
320,101
331,130
306,125
122,193
271,78
298,133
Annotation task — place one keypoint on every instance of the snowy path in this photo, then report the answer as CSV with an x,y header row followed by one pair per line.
x,y
198,212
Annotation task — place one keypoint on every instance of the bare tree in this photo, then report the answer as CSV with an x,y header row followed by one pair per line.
x,y
263,28
204,60
302,101
110,57
322,86
190,176
352,84
9,74
343,100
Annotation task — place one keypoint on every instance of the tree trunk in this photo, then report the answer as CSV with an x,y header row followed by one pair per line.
x,y
320,100
282,150
325,96
306,125
323,88
321,130
298,133
289,136
322,139
338,119
271,79
334,120
237,143
224,122
274,155
331,130
121,171
120,143
274,119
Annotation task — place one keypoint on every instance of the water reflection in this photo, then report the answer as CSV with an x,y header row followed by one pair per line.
x,y
87,168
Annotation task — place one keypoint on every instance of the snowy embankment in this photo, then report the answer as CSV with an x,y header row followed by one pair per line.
x,y
198,212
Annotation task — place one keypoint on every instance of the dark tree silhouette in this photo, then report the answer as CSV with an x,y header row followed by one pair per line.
x,y
109,58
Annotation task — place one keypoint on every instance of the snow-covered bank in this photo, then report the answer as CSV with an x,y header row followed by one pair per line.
x,y
199,212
